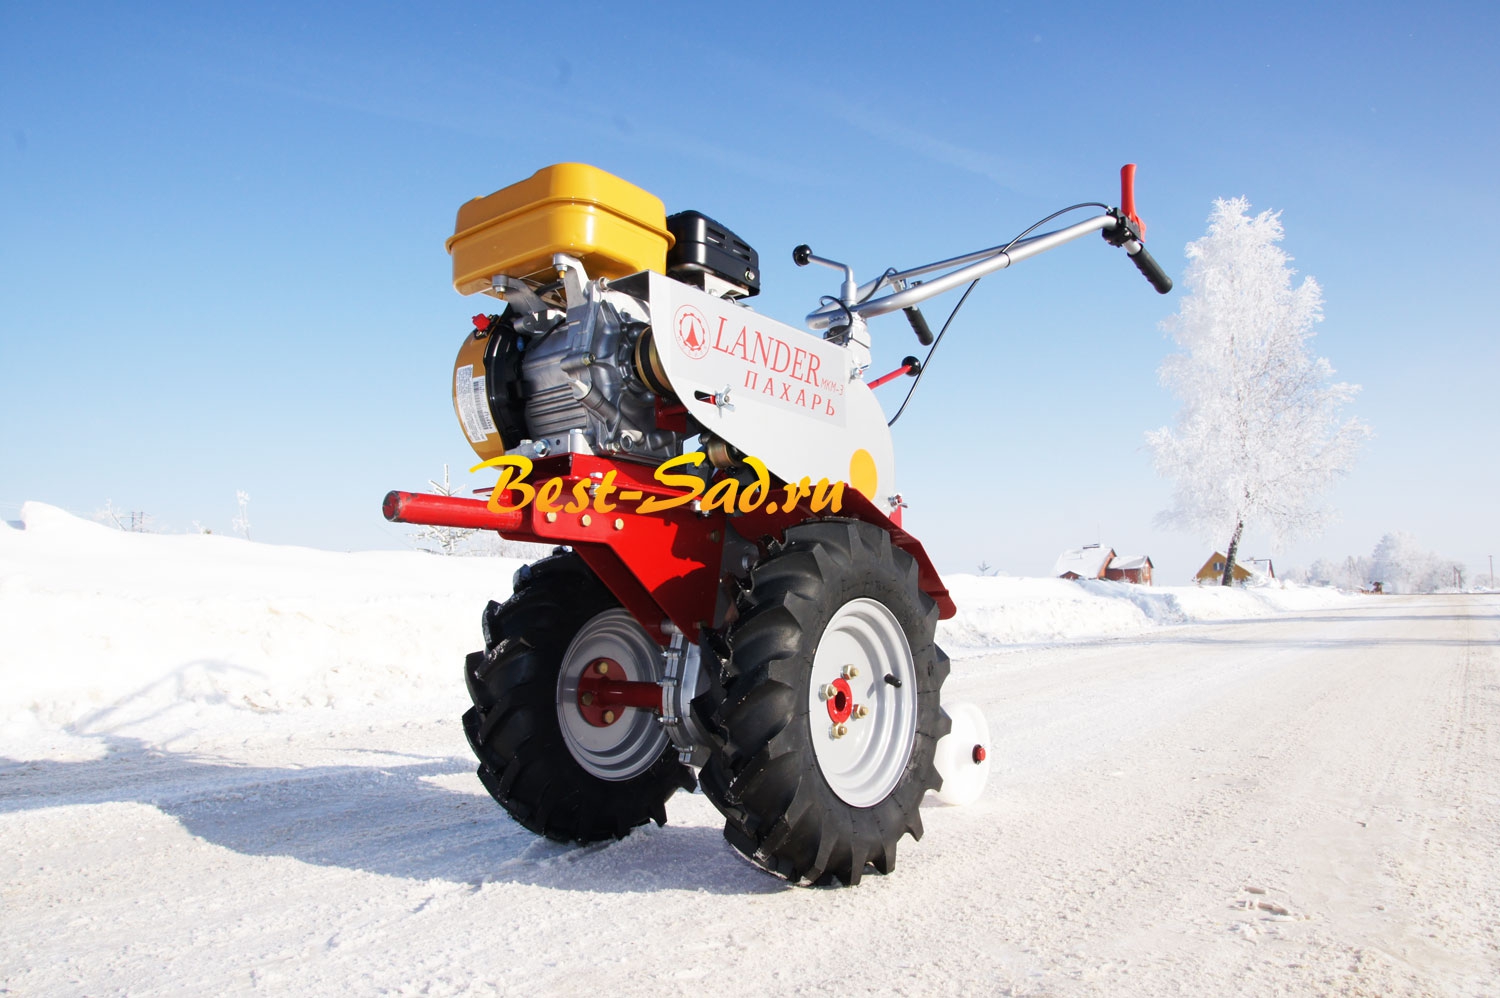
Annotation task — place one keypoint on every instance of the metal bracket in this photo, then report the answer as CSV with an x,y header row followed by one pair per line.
x,y
681,682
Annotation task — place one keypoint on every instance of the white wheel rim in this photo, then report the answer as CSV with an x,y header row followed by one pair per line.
x,y
964,771
631,745
864,763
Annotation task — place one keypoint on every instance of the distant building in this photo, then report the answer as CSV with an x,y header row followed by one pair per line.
x,y
1134,568
1261,567
1244,570
1097,562
1089,562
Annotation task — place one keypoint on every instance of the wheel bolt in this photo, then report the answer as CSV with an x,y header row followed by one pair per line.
x,y
830,691
587,699
609,717
861,710
603,668
840,730
851,671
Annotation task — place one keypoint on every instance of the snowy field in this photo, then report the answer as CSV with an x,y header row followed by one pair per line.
x,y
229,767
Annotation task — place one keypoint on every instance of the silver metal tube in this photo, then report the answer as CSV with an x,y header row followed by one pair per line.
x,y
957,261
848,290
983,262
981,254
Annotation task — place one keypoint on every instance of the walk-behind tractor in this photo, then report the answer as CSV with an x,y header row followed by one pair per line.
x,y
732,602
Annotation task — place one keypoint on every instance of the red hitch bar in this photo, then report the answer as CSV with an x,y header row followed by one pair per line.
x,y
446,511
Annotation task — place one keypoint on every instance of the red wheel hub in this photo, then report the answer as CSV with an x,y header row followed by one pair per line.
x,y
841,704
604,693
978,754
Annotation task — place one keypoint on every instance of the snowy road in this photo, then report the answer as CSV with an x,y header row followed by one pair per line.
x,y
1302,804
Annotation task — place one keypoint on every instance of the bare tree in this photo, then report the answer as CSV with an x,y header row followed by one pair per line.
x,y
1258,439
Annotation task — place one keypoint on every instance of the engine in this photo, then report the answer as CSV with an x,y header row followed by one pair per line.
x,y
571,364
546,377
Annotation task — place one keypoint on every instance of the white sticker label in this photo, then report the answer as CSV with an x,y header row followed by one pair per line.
x,y
482,406
468,413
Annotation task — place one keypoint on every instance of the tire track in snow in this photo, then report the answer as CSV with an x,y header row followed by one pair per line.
x,y
1269,751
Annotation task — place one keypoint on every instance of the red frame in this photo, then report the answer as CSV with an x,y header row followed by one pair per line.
x,y
665,567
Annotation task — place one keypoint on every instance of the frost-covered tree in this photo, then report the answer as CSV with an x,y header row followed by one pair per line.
x,y
1352,573
134,521
1404,566
1258,438
469,540
241,521
1399,563
447,539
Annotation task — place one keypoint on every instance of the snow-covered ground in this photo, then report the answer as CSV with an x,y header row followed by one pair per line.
x,y
166,636
228,767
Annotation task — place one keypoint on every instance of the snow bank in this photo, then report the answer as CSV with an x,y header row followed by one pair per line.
x,y
104,629
155,634
1010,611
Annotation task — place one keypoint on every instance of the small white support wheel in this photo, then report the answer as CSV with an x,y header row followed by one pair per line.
x,y
963,755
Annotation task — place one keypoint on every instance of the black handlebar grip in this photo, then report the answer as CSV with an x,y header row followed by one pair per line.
x,y
919,324
1147,265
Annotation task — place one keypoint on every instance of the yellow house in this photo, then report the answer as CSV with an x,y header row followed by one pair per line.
x,y
1213,570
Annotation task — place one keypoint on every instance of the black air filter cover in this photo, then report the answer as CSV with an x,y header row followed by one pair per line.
x,y
704,245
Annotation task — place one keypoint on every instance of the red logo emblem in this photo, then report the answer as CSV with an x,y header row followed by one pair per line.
x,y
692,332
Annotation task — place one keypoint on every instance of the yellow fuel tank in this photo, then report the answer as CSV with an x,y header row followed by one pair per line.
x,y
614,227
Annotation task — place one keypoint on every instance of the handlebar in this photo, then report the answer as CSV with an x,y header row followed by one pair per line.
x,y
1126,234
1146,264
919,325
1119,226
984,262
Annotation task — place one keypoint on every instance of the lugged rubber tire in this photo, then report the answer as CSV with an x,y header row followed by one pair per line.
x,y
524,760
780,811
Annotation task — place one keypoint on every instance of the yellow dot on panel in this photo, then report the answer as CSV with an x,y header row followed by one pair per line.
x,y
862,474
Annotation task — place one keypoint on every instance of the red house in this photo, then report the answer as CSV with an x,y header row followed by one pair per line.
x,y
1134,568
1096,562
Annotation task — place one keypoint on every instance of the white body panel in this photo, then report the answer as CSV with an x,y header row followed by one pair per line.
x,y
777,393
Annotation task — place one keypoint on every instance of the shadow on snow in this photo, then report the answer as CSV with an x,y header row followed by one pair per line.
x,y
382,819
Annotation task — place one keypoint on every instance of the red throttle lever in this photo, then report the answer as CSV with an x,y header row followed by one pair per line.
x,y
1129,231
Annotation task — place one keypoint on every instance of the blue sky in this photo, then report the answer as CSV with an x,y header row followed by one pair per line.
x,y
222,267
